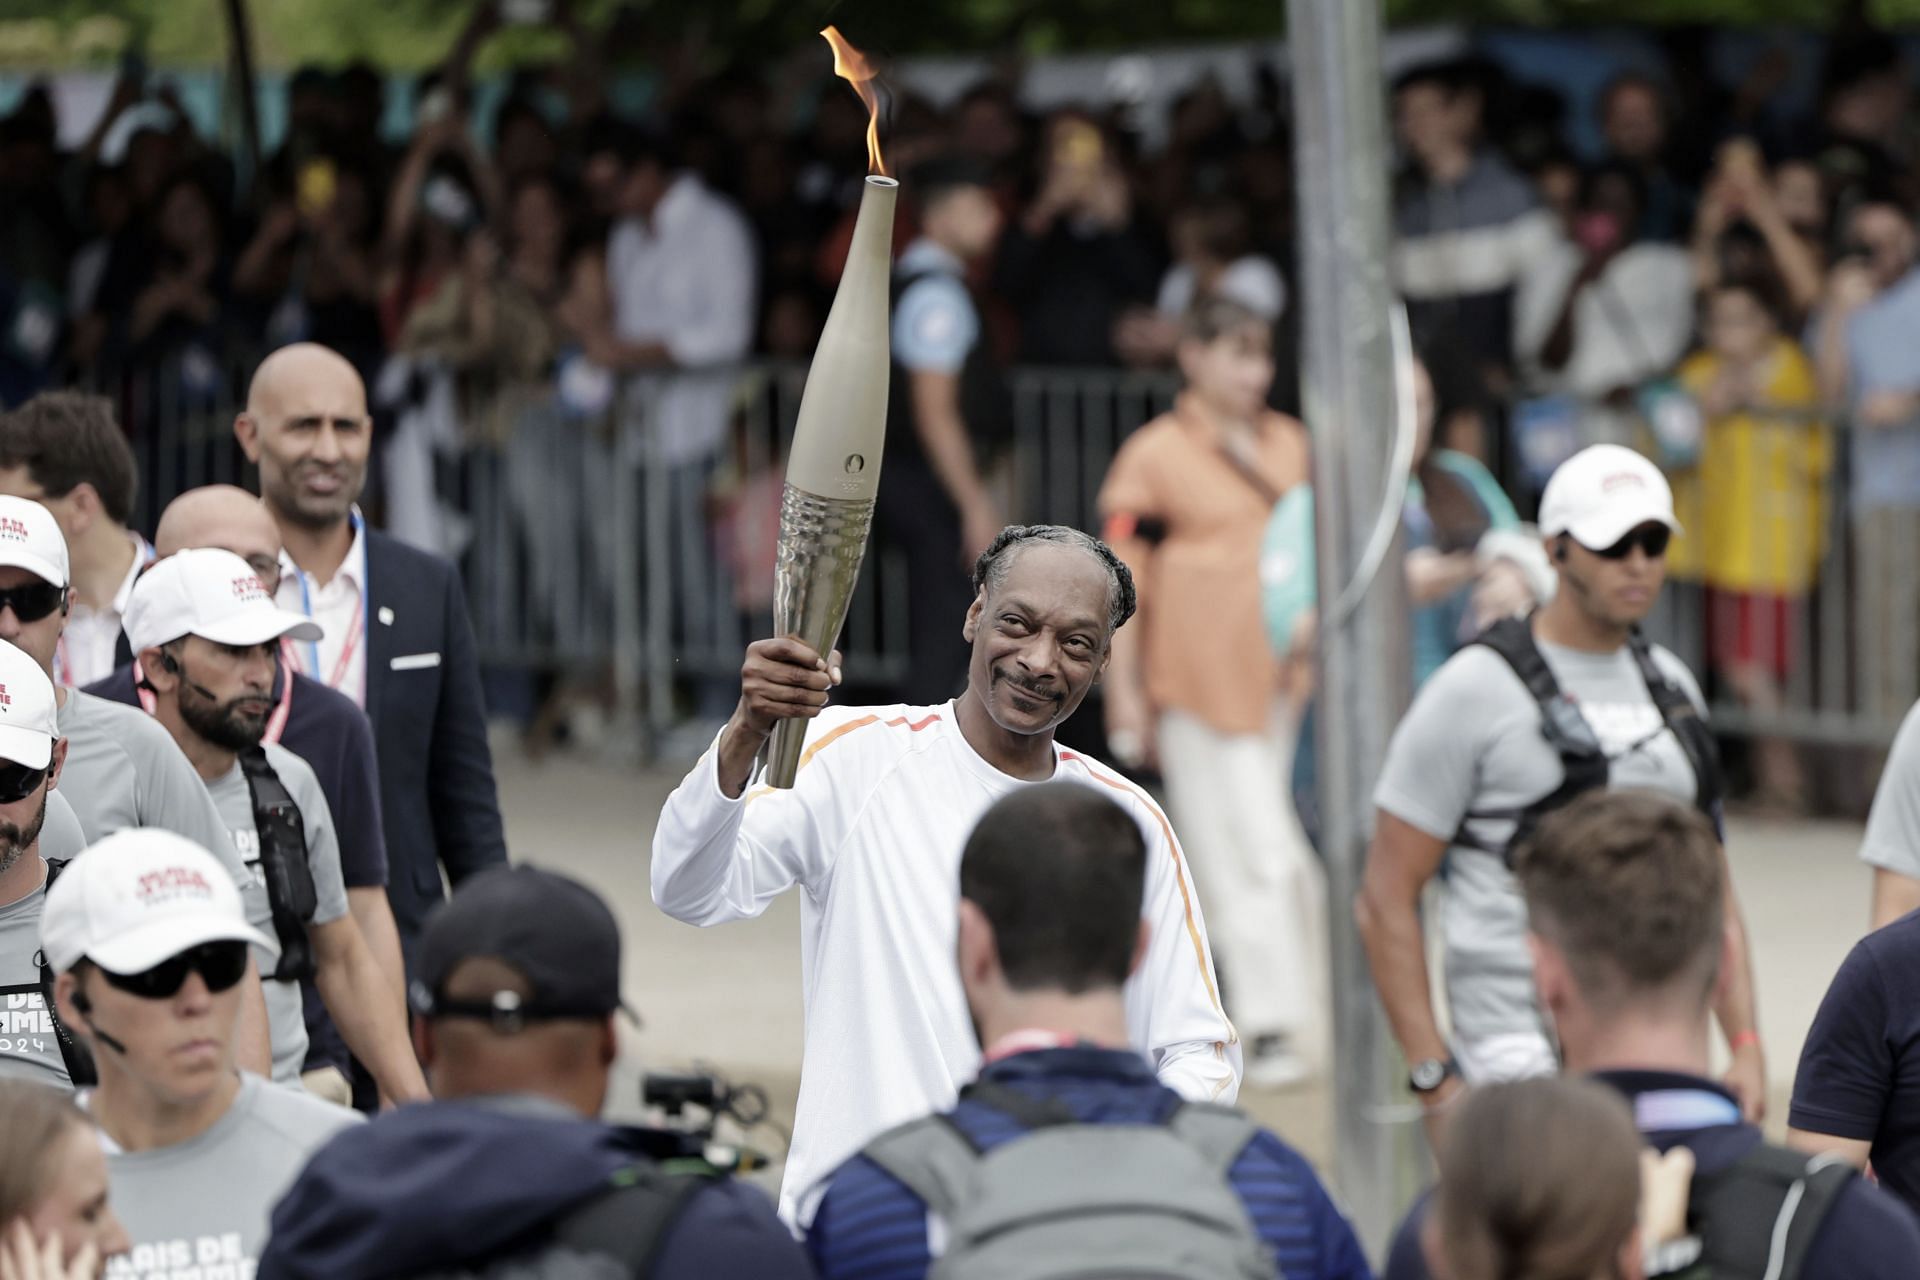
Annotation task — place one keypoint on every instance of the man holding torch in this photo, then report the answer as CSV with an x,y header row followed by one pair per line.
x,y
873,828
869,808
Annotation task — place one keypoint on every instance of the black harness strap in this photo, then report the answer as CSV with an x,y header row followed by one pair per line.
x,y
1584,764
283,864
79,1063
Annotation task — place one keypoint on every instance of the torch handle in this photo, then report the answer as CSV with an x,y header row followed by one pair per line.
x,y
822,541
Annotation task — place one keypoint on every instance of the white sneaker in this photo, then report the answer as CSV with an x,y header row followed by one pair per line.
x,y
1273,1063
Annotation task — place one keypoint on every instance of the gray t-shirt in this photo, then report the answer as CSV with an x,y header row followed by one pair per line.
x,y
28,1047
1471,743
60,835
199,1210
286,1020
124,770
1893,826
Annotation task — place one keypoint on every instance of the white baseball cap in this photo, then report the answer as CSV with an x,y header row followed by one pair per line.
x,y
29,720
208,593
1603,493
30,539
137,899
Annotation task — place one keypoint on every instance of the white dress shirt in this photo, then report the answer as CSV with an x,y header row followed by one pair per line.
x,y
92,635
338,606
686,278
873,830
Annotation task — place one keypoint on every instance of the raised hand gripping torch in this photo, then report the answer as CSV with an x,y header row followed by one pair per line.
x,y
833,469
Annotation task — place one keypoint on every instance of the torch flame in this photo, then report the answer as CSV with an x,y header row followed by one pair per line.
x,y
852,66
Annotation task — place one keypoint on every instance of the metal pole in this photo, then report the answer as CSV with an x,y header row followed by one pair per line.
x,y
241,35
1347,377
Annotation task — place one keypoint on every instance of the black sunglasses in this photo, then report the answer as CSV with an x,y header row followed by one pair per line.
x,y
17,782
219,964
32,601
1650,538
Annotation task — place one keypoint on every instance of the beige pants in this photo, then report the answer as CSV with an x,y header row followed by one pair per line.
x,y
328,1085
1259,883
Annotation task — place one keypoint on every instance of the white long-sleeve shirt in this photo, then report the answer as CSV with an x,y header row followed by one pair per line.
x,y
687,278
873,830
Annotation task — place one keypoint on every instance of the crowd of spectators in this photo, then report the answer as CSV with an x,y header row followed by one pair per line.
x,y
1719,278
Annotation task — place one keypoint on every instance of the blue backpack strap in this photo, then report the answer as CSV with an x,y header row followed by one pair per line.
x,y
1583,764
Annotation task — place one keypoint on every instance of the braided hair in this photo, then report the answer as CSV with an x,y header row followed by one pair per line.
x,y
990,570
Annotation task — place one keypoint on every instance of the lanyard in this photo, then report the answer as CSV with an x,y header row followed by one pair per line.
x,y
276,723
1028,1041
356,627
1676,1110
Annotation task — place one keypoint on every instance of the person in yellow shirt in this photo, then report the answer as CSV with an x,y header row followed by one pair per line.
x,y
1753,506
1194,685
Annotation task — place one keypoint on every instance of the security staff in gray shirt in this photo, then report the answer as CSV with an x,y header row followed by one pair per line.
x,y
207,635
1512,727
30,758
150,943
122,770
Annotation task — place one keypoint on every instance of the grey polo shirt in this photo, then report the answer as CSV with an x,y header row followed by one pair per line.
x,y
124,770
29,1048
60,834
286,1019
1471,744
201,1207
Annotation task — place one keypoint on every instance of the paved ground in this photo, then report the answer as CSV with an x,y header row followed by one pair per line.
x,y
730,996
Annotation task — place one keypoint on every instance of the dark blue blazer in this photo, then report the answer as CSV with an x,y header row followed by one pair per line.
x,y
430,730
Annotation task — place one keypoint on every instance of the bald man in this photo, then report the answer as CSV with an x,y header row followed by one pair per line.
x,y
320,726
398,641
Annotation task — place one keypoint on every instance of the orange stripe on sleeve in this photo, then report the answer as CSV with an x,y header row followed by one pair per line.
x,y
1186,897
828,739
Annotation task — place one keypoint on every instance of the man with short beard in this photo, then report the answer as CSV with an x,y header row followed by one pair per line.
x,y
873,829
121,770
31,754
324,728
207,636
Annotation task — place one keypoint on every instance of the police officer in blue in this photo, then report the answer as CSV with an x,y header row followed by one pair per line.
x,y
945,408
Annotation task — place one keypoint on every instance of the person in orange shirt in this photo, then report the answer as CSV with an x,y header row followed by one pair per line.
x,y
1194,685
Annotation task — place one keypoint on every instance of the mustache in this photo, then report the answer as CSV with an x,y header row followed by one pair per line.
x,y
1028,687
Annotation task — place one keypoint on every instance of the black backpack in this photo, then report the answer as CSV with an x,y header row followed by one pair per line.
x,y
629,1223
1757,1218
1566,730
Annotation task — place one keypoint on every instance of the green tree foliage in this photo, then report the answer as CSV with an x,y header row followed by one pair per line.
x,y
413,34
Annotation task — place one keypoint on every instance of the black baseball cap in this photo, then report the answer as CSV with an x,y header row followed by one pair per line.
x,y
552,930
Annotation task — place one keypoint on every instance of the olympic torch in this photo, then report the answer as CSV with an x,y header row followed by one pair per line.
x,y
833,469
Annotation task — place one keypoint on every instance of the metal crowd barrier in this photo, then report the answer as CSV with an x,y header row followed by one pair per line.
x,y
600,544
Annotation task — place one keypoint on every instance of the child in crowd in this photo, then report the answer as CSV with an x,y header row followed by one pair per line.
x,y
1752,506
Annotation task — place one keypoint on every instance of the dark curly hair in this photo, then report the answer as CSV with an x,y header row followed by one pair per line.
x,y
990,570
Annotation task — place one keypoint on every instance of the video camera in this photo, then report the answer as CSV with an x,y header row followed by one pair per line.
x,y
694,1104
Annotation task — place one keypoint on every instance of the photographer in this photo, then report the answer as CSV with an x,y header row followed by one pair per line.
x,y
509,1172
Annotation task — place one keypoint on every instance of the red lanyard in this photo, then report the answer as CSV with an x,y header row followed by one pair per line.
x,y
349,645
276,723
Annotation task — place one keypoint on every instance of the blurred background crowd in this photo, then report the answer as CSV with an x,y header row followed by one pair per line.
x,y
1698,243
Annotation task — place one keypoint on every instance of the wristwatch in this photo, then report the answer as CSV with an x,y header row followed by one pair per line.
x,y
1429,1074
